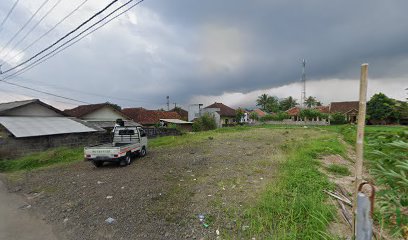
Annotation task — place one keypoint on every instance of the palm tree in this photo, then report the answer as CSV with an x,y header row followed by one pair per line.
x,y
262,101
311,102
287,103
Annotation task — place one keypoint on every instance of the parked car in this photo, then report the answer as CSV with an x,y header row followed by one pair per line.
x,y
127,142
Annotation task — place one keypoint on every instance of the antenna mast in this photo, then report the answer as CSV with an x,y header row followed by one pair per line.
x,y
303,96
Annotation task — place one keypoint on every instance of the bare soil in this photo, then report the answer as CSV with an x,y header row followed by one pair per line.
x,y
161,195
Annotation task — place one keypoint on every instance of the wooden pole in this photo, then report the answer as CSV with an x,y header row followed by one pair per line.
x,y
360,138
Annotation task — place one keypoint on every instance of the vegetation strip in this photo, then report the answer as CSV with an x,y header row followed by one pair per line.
x,y
296,207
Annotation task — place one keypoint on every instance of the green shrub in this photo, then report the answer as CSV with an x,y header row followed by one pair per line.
x,y
338,118
204,123
268,117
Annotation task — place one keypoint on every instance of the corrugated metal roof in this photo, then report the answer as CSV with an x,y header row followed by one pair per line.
x,y
11,105
42,126
176,121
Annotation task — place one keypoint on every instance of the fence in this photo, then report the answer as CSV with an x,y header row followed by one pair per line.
x,y
153,132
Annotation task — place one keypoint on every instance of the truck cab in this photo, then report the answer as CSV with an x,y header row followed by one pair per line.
x,y
127,142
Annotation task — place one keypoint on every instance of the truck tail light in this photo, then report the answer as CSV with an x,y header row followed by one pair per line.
x,y
88,155
116,155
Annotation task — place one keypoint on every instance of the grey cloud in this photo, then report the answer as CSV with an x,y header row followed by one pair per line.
x,y
211,47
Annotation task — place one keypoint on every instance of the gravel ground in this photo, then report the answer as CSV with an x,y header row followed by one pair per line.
x,y
161,195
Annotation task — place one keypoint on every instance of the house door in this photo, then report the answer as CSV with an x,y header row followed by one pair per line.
x,y
226,121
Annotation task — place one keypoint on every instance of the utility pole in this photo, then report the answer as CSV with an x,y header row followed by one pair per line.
x,y
303,95
168,103
360,139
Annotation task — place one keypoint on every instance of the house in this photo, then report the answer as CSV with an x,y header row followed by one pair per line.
x,y
259,112
349,109
149,117
226,114
183,113
102,115
294,112
32,125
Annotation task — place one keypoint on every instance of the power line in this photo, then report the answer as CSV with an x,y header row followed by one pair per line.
x,y
62,38
50,30
91,94
55,52
8,15
44,92
24,26
33,96
33,28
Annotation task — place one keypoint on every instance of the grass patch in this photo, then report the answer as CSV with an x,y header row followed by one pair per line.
x,y
295,207
42,159
338,169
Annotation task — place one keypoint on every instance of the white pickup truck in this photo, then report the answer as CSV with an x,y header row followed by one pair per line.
x,y
127,142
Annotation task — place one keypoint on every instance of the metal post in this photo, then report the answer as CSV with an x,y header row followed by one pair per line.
x,y
360,138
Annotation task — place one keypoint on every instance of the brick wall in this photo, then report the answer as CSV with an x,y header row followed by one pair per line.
x,y
11,147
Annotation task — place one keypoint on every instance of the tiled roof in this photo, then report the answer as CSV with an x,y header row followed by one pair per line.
x,y
147,117
225,111
293,111
343,107
183,113
83,110
259,112
323,109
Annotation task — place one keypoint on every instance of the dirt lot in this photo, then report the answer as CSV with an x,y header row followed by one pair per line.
x,y
159,196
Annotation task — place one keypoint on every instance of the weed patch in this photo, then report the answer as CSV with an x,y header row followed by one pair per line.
x,y
296,207
338,169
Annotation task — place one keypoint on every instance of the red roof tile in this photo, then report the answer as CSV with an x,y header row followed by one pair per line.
x,y
259,112
83,110
293,111
225,111
148,117
343,107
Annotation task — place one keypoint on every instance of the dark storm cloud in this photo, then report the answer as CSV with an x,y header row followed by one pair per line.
x,y
185,48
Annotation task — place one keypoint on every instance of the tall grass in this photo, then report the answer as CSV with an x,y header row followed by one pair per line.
x,y
296,207
42,159
386,152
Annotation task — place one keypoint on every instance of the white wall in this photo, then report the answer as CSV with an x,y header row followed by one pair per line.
x,y
103,114
33,110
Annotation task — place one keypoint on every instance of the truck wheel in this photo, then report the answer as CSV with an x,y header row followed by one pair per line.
x,y
97,163
126,160
142,152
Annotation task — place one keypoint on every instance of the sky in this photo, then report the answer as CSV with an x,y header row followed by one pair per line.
x,y
206,51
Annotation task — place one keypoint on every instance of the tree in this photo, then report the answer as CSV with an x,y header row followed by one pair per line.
x,y
312,102
254,116
204,123
239,114
337,118
381,108
262,101
287,103
309,114
272,105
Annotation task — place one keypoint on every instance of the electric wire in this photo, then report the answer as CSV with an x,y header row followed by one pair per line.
x,y
32,29
56,51
44,92
50,30
8,15
62,38
23,27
